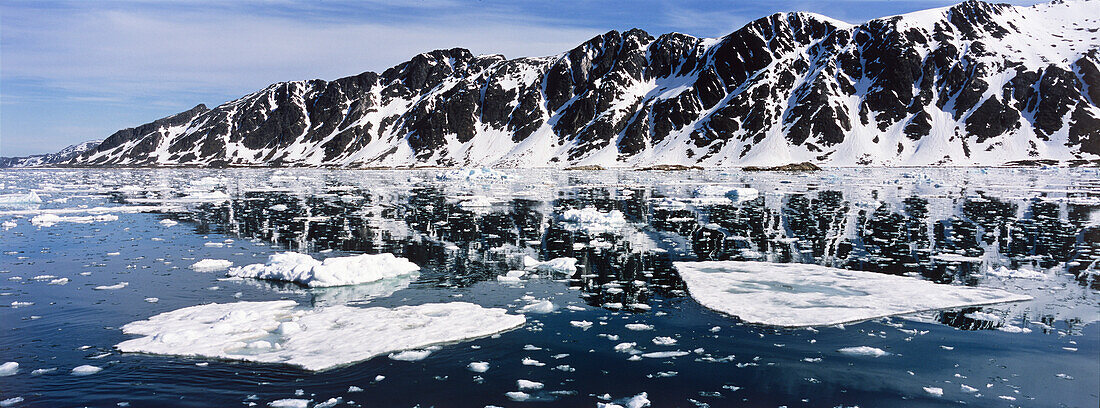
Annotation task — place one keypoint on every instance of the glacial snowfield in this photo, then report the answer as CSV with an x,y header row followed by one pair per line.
x,y
328,288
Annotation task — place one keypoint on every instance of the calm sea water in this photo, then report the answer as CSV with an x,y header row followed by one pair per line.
x,y
1030,231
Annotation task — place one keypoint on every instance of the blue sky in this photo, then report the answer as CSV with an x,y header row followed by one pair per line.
x,y
77,70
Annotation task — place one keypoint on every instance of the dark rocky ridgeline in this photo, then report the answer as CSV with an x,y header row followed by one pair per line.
x,y
970,84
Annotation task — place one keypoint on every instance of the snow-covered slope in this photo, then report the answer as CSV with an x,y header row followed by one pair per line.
x,y
975,83
47,159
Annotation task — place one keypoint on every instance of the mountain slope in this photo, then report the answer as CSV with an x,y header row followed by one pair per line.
x,y
975,83
37,160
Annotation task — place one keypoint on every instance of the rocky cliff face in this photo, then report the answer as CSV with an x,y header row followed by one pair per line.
x,y
976,83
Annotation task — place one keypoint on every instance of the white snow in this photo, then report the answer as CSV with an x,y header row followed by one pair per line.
x,y
348,270
865,351
83,370
314,339
211,265
9,368
800,295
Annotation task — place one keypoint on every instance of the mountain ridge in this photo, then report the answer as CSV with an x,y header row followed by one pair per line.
x,y
970,84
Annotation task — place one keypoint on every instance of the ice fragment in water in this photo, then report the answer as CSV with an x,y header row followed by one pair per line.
x,y
800,295
528,385
934,391
348,270
211,265
478,366
289,403
324,338
116,286
9,368
865,351
85,370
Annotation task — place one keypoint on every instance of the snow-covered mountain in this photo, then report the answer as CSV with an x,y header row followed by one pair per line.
x,y
47,159
975,83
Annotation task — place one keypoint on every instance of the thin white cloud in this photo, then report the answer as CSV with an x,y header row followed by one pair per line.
x,y
128,54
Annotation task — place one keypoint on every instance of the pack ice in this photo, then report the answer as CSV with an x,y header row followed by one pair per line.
x,y
801,295
347,270
314,339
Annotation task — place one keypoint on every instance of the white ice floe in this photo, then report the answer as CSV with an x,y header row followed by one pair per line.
x,y
211,265
556,265
528,385
10,402
289,403
168,223
20,199
801,295
314,339
9,368
665,354
482,174
478,366
116,286
637,401
592,221
348,270
83,370
937,391
49,220
542,306
664,341
708,193
9,224
863,351
638,326
410,355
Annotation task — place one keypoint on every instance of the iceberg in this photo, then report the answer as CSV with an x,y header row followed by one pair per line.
x,y
306,271
804,295
20,199
314,339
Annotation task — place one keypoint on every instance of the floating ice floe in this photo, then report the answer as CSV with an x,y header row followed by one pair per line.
x,y
290,403
637,401
863,351
116,286
478,366
482,174
49,220
556,265
709,193
9,368
9,224
592,221
211,265
348,270
801,295
20,199
314,339
168,223
84,370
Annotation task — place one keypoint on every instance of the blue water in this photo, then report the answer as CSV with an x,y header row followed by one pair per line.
x,y
412,214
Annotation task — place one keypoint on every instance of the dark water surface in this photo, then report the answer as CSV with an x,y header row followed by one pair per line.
x,y
1033,231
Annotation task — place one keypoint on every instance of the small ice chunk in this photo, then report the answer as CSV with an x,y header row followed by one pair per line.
x,y
290,403
41,371
934,391
592,221
116,286
85,370
9,368
211,265
665,354
664,341
478,366
863,351
518,396
348,270
11,401
532,362
168,223
528,385
152,299
556,265
543,306
584,324
49,220
411,355
59,281
625,347
331,402
639,326
353,388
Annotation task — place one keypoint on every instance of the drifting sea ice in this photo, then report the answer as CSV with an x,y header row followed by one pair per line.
x,y
84,370
49,220
482,174
9,368
348,270
211,265
20,199
801,295
592,221
314,339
